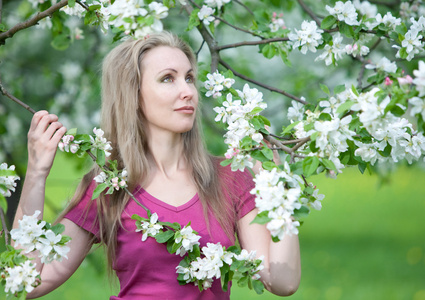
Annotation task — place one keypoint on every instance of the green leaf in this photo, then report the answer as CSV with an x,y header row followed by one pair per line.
x,y
268,165
269,51
193,20
265,120
243,281
258,286
346,30
164,236
328,164
94,7
58,228
100,157
72,131
61,42
310,165
225,162
339,89
268,153
99,189
258,155
3,203
262,218
325,89
7,173
302,212
288,128
2,27
344,107
328,22
71,3
387,151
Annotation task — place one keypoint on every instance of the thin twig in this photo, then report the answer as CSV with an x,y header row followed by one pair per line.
x,y
3,223
208,38
31,22
1,9
13,98
252,43
310,12
244,6
270,88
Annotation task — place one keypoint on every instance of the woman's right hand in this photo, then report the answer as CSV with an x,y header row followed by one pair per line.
x,y
44,136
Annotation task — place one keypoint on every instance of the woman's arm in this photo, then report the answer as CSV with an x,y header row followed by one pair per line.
x,y
282,265
43,137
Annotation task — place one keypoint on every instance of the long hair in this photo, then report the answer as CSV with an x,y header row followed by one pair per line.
x,y
124,125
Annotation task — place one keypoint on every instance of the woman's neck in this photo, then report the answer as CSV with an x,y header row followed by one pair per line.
x,y
166,150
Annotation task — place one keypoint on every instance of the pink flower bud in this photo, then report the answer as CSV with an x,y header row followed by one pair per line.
x,y
405,80
388,81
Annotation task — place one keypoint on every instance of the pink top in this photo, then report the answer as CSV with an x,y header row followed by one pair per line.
x,y
146,270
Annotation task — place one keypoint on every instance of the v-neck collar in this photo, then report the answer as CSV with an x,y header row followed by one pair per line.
x,y
144,194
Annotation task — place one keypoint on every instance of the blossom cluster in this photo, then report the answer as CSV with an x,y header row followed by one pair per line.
x,y
388,132
33,234
112,180
20,278
185,239
309,37
17,273
278,194
205,269
238,115
206,13
67,144
132,17
100,142
199,266
7,182
216,83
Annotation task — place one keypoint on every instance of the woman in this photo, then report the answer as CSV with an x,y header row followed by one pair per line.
x,y
149,113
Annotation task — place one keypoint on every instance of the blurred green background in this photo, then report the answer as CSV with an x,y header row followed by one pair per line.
x,y
367,242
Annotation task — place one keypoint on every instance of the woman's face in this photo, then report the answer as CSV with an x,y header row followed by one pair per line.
x,y
169,98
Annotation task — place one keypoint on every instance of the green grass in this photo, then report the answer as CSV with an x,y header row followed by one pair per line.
x,y
367,242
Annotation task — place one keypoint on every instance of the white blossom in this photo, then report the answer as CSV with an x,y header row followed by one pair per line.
x,y
418,107
385,65
333,52
21,277
296,111
188,239
50,248
308,37
28,231
99,142
216,3
282,223
9,182
150,228
366,8
205,15
345,12
419,79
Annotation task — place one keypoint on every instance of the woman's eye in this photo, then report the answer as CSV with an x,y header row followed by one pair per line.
x,y
190,79
167,79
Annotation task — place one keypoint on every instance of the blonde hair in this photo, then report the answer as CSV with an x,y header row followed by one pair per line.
x,y
124,125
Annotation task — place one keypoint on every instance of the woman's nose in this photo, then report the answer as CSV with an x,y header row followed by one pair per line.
x,y
187,90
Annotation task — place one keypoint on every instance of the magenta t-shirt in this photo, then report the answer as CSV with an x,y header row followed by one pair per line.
x,y
146,270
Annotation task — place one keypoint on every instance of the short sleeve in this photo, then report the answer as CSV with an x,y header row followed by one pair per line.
x,y
84,214
240,185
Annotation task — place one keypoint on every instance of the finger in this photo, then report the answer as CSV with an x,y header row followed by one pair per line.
x,y
53,127
36,118
58,135
44,123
